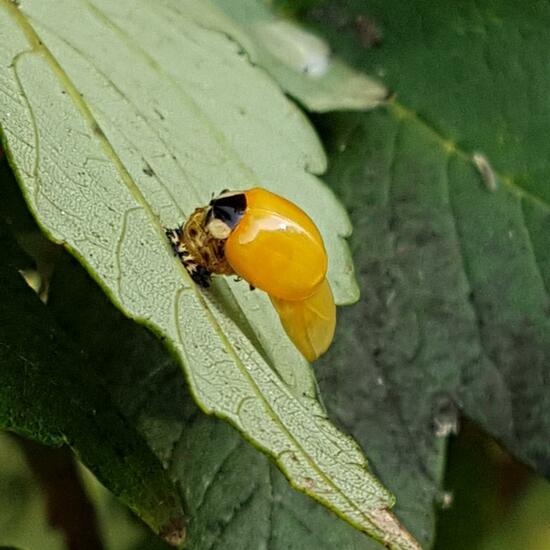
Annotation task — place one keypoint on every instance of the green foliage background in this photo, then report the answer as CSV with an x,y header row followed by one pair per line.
x,y
453,266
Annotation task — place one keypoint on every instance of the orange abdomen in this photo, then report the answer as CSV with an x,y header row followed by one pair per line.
x,y
277,248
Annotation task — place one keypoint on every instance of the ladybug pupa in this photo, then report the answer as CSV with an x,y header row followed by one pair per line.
x,y
273,245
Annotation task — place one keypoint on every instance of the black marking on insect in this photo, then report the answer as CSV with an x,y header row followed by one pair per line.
x,y
174,236
228,208
198,273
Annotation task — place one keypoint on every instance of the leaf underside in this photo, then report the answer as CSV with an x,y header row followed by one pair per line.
x,y
111,142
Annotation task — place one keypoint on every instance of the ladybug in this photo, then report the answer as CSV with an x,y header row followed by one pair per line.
x,y
273,245
199,252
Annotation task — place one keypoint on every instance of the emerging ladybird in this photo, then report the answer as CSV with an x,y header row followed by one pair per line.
x,y
273,245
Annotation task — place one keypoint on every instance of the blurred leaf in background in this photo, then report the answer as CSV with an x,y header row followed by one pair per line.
x,y
494,502
300,61
24,510
23,520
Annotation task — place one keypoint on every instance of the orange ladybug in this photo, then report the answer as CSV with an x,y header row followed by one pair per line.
x,y
273,245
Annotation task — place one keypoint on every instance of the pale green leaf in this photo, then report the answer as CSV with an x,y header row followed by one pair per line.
x,y
234,496
119,119
300,61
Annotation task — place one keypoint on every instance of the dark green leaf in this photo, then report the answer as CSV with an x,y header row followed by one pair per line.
x,y
449,197
48,393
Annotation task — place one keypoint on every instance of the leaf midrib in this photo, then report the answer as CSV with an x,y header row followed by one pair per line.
x,y
400,111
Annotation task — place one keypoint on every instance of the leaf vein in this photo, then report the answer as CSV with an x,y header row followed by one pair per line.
x,y
400,111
